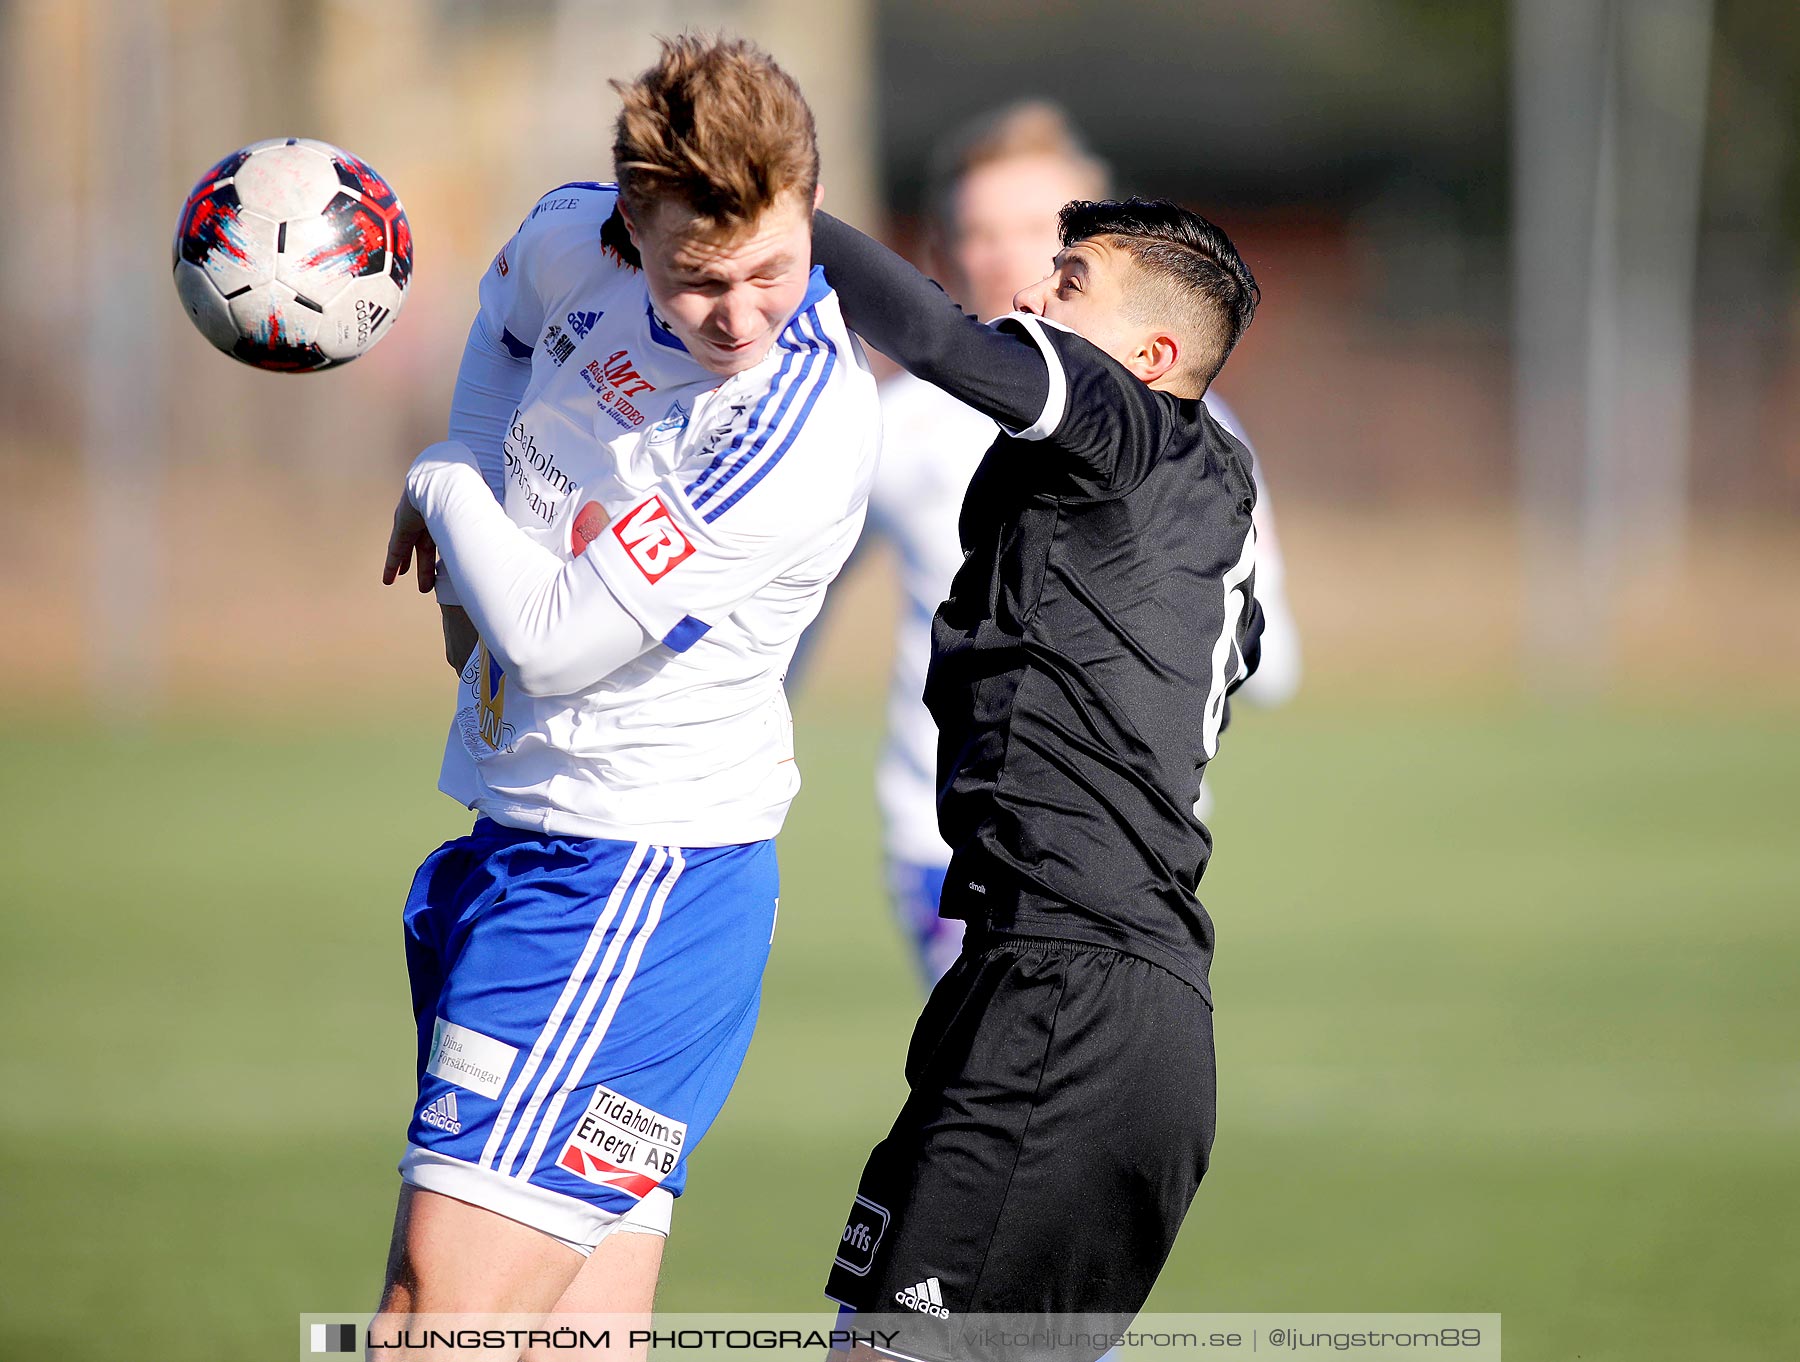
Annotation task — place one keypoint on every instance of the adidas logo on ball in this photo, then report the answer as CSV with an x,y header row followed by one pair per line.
x,y
926,1297
442,1114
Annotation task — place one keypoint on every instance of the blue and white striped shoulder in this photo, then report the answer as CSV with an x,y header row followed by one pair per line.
x,y
811,349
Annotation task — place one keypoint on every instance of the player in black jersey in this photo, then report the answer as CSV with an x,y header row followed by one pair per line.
x,y
1062,1097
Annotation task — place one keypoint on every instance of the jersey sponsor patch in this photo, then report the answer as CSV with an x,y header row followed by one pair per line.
x,y
649,535
469,1059
557,344
482,722
490,700
862,1236
624,1144
618,385
588,523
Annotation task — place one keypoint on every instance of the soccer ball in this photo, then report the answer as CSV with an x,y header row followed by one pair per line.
x,y
292,255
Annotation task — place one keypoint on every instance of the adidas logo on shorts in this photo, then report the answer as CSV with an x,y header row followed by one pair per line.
x,y
927,1298
442,1114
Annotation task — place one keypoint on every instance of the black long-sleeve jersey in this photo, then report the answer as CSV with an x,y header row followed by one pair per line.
x,y
1104,610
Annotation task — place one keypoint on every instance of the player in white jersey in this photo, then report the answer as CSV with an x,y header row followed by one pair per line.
x,y
681,434
997,186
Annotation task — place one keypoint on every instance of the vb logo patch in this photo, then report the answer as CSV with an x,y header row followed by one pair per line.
x,y
862,1236
621,1143
649,535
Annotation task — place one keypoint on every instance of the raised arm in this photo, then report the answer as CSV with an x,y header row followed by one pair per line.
x,y
912,321
490,383
1100,427
489,386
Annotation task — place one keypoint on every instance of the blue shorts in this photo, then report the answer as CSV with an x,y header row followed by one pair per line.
x,y
935,941
583,1009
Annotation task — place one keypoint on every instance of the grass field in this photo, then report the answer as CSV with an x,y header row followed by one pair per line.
x,y
1506,1022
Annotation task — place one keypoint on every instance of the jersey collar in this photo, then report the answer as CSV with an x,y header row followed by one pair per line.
x,y
659,329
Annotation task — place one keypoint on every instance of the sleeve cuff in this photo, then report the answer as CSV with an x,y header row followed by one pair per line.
x,y
1056,401
685,634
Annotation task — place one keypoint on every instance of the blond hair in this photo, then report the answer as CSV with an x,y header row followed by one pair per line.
x,y
717,124
1030,127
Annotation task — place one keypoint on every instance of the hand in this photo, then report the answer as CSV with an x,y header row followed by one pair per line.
x,y
410,539
460,636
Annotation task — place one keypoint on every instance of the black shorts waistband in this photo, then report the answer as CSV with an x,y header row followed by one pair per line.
x,y
1005,907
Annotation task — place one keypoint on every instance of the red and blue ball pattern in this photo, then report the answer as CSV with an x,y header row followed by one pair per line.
x,y
293,255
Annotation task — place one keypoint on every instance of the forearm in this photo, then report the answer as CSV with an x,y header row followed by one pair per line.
x,y
913,322
554,625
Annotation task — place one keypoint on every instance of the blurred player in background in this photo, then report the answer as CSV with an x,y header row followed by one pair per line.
x,y
995,187
663,440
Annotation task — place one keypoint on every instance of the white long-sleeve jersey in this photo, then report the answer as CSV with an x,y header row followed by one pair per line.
x,y
712,511
933,443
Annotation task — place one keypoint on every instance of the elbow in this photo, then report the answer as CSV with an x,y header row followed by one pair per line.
x,y
541,673
536,668
935,359
922,350
562,652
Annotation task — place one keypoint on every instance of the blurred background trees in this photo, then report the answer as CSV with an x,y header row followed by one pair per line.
x,y
1443,423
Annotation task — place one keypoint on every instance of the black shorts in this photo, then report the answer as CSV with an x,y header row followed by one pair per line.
x,y
1059,1123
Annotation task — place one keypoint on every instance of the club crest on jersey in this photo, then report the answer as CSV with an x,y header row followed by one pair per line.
x,y
651,539
665,430
624,1144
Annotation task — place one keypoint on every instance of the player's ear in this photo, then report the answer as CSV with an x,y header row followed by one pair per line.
x,y
1156,356
630,226
818,194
